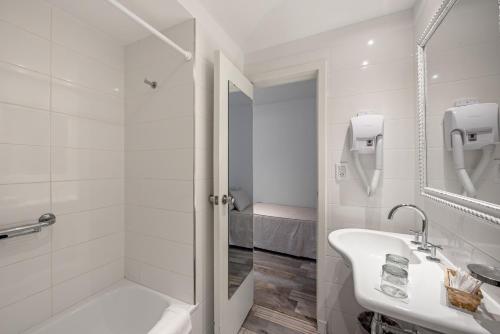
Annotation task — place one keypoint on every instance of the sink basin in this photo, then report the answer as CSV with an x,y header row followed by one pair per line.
x,y
426,305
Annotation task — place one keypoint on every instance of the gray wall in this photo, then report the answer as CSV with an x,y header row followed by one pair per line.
x,y
285,145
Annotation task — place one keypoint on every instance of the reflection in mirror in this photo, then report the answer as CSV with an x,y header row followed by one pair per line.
x,y
463,93
240,248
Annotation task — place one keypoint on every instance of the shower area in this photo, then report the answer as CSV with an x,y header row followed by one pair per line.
x,y
103,125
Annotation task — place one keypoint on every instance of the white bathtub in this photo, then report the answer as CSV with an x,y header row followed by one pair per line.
x,y
124,308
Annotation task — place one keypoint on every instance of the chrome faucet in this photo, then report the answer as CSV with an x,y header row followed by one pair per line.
x,y
424,247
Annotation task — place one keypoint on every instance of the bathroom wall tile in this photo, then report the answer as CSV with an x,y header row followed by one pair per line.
x,y
73,99
175,164
82,164
74,290
204,164
203,190
174,133
169,225
340,217
24,164
24,49
343,323
77,196
74,67
69,131
372,78
32,15
204,98
18,317
355,50
76,228
24,125
397,191
23,279
167,282
161,103
399,134
25,247
337,136
337,271
73,261
341,298
161,194
160,253
394,104
23,202
399,164
78,36
204,250
24,87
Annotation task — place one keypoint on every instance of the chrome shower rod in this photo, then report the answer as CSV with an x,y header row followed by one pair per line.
x,y
187,55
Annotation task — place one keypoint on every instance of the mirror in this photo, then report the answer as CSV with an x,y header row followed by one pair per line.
x,y
240,173
459,98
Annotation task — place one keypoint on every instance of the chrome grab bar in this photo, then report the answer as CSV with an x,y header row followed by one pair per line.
x,y
45,220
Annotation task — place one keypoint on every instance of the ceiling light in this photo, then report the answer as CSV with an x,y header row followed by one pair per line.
x,y
365,63
371,42
435,76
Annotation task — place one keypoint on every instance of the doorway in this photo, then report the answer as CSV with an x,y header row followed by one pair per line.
x,y
284,196
268,234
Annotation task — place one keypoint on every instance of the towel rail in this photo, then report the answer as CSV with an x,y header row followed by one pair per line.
x,y
45,220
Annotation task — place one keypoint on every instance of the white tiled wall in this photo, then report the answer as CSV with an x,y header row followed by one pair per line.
x,y
159,192
61,146
466,239
385,85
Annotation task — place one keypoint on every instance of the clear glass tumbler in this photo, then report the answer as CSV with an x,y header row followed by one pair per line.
x,y
397,260
394,281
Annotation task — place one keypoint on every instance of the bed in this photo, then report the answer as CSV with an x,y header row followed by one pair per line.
x,y
279,228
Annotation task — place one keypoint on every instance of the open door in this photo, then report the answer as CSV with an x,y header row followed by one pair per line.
x,y
233,179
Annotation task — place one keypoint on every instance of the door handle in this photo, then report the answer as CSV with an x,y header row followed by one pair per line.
x,y
227,198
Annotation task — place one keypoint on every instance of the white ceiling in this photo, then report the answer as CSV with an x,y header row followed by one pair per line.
x,y
99,13
253,25
258,24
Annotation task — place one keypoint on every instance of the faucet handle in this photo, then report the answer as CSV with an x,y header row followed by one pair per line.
x,y
433,256
417,235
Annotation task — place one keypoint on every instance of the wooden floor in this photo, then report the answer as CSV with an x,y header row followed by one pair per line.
x,y
285,296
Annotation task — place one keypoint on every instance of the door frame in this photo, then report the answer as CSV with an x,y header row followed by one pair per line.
x,y
318,71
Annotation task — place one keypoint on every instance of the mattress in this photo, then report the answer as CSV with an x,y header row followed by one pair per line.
x,y
280,228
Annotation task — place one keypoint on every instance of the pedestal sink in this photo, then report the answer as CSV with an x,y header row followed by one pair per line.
x,y
426,305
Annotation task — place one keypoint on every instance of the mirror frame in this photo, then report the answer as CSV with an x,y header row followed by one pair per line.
x,y
478,208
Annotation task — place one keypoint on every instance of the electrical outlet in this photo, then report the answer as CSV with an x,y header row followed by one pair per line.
x,y
341,171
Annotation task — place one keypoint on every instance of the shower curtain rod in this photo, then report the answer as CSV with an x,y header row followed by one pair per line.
x,y
187,55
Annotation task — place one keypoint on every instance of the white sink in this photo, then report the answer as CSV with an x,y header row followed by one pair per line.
x,y
365,250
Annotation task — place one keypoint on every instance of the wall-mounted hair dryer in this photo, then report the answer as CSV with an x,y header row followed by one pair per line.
x,y
471,127
367,137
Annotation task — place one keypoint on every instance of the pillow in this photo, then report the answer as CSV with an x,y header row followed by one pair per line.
x,y
241,200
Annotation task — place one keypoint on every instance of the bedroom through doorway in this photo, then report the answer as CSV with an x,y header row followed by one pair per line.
x,y
273,178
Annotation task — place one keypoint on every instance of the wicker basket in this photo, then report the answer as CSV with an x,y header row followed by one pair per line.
x,y
461,299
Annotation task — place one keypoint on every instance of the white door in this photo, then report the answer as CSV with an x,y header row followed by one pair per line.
x,y
233,296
